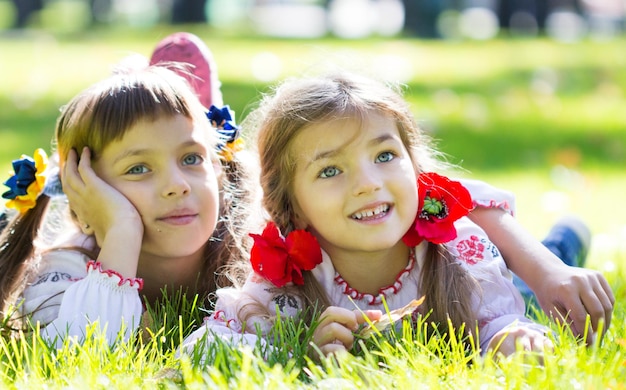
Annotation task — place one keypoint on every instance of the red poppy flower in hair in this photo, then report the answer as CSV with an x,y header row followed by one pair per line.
x,y
441,202
282,260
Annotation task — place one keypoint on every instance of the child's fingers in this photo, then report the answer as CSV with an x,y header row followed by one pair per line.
x,y
372,315
338,314
334,333
336,326
70,170
332,348
84,166
598,302
534,343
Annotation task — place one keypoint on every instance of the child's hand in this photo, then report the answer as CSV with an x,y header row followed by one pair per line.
x,y
98,206
531,340
335,331
104,212
571,293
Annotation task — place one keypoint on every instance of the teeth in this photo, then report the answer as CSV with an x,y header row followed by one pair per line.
x,y
370,213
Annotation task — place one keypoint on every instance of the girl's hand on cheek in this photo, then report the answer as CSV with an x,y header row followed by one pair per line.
x,y
99,207
334,334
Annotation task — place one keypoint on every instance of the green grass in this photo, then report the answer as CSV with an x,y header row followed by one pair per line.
x,y
396,359
543,119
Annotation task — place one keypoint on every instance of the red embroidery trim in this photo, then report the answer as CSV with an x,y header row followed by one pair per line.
x,y
97,266
385,291
220,315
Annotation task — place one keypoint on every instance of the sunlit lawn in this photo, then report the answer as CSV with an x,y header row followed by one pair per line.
x,y
543,119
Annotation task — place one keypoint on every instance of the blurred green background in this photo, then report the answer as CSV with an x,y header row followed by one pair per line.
x,y
543,118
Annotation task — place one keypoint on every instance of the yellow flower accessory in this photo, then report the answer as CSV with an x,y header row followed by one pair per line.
x,y
229,150
27,182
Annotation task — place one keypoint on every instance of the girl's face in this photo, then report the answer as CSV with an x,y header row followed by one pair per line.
x,y
355,184
164,169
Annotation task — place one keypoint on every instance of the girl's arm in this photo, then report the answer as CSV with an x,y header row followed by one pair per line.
x,y
565,293
498,305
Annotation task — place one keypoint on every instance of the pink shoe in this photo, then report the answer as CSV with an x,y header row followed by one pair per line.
x,y
188,48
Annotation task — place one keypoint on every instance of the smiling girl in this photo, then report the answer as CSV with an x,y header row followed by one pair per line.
x,y
361,222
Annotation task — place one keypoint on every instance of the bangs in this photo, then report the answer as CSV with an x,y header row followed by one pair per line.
x,y
104,113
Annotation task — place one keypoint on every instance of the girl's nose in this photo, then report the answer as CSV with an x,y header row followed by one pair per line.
x,y
176,185
366,180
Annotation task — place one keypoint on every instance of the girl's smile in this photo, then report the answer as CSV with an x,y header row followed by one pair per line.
x,y
372,213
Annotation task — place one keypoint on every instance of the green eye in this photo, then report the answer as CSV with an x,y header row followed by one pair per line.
x,y
137,170
329,172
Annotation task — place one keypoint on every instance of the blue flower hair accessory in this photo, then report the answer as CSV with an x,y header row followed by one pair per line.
x,y
27,182
222,120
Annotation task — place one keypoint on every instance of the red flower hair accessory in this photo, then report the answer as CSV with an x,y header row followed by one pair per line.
x,y
441,202
282,260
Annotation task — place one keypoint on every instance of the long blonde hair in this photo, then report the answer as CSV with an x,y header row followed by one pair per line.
x,y
303,102
104,113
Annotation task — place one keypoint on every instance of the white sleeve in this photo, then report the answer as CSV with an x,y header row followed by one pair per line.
x,y
43,295
498,303
486,195
67,300
258,300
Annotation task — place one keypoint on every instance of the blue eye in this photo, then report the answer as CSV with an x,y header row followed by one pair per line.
x,y
193,159
329,172
137,170
385,157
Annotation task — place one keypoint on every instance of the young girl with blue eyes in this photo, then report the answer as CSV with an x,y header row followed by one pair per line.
x,y
360,220
552,269
156,203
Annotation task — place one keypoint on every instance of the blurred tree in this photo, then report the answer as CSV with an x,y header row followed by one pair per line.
x,y
189,11
100,10
421,17
539,9
24,10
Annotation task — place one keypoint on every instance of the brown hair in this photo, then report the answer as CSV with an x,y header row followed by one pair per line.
x,y
103,113
304,102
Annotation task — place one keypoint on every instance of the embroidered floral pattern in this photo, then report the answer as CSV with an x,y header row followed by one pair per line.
x,y
53,277
285,300
282,260
441,202
27,181
471,250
